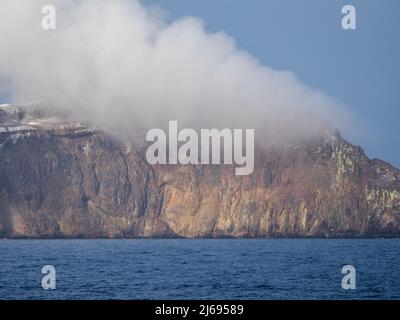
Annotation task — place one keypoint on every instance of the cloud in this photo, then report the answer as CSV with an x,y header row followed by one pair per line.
x,y
126,69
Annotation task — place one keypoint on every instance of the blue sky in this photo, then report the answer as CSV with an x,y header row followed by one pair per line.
x,y
360,67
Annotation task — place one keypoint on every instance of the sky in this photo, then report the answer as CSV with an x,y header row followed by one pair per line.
x,y
360,68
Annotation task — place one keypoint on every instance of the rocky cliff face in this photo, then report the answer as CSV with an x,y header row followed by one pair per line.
x,y
62,179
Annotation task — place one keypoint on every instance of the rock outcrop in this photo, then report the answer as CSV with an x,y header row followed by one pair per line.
x,y
63,179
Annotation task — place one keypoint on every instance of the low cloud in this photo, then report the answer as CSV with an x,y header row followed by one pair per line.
x,y
126,69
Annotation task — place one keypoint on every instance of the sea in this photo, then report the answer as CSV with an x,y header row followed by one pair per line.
x,y
200,269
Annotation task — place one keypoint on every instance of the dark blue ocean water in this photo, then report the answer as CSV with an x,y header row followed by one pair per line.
x,y
200,269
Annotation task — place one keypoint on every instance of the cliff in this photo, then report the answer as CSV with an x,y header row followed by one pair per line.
x,y
62,179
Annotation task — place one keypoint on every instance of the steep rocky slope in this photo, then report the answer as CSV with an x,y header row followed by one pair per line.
x,y
62,179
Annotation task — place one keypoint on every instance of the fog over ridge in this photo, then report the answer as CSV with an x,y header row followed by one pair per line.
x,y
126,68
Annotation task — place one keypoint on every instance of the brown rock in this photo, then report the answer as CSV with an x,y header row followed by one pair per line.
x,y
61,179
